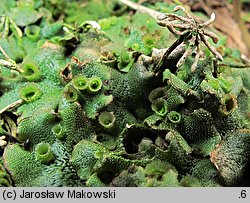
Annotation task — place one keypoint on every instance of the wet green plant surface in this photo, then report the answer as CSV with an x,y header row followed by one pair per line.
x,y
93,93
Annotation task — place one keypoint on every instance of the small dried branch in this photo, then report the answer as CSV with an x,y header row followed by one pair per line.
x,y
11,106
142,9
9,63
4,53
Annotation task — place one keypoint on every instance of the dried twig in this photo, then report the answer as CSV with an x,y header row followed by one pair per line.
x,y
11,106
142,9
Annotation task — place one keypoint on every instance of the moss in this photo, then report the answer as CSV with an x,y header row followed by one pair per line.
x,y
156,173
49,99
96,103
96,70
75,123
84,157
180,85
134,176
122,115
26,171
232,162
197,126
190,181
225,124
128,88
206,172
110,166
177,154
22,165
51,29
50,59
94,181
5,179
38,127
158,167
170,179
